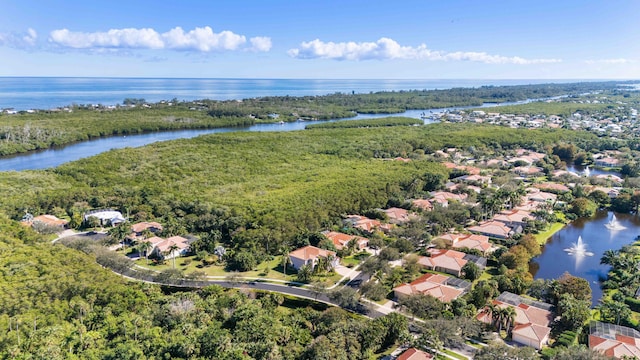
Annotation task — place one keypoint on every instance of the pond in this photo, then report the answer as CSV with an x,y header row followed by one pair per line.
x,y
578,169
597,237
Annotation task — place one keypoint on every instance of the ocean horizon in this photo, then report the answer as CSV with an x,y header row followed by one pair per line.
x,y
25,93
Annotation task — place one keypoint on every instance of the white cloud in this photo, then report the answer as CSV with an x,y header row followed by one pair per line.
x,y
610,61
386,48
19,40
261,43
199,39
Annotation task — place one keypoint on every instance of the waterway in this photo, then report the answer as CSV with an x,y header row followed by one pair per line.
x,y
42,159
554,260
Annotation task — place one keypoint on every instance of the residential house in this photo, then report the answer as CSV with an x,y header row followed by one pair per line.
x,y
414,354
46,220
444,198
474,179
398,215
614,341
608,161
138,229
534,194
106,216
554,187
494,229
441,287
340,240
366,224
309,255
423,204
450,261
513,218
527,171
531,326
469,241
163,247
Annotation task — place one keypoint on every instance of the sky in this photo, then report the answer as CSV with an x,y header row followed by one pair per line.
x,y
324,39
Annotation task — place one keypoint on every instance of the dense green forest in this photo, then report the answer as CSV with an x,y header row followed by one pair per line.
x,y
388,121
46,128
57,303
259,192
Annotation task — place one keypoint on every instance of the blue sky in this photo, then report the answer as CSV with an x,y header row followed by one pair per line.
x,y
426,39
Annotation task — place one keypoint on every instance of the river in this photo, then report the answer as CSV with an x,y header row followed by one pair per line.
x,y
48,158
597,238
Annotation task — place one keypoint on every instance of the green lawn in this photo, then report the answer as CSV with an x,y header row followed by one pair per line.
x,y
545,235
268,270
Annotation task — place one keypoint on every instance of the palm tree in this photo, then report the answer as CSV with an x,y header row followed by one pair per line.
x,y
285,260
145,246
609,257
509,317
172,249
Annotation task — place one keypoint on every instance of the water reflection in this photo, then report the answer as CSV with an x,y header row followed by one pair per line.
x,y
596,237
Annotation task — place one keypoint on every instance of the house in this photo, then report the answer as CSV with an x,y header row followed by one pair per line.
x,y
450,261
555,187
163,247
414,354
444,198
527,171
608,161
494,229
140,227
365,224
138,230
441,287
614,341
532,320
106,217
309,255
397,215
513,218
340,240
534,194
474,179
469,241
46,220
423,204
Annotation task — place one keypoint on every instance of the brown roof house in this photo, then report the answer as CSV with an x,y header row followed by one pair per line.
x,y
365,224
340,240
309,255
162,247
450,261
532,320
469,241
398,215
46,220
414,354
613,340
441,287
493,229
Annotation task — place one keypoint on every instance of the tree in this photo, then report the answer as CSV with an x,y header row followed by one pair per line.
x,y
583,207
120,232
374,290
305,273
499,351
471,271
574,312
578,352
172,249
421,306
578,287
345,297
614,312
144,247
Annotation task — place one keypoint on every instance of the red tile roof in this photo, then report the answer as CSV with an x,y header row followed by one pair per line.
x,y
415,354
310,253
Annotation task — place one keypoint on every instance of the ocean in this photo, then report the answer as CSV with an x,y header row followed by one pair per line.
x,y
24,93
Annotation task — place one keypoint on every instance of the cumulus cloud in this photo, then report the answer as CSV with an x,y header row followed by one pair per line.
x,y
610,61
386,48
202,39
19,40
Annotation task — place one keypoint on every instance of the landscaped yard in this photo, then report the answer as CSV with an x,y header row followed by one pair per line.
x,y
545,235
271,270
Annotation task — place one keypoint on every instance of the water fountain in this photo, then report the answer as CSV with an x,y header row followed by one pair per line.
x,y
614,225
587,171
578,249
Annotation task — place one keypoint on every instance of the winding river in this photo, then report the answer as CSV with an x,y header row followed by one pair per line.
x,y
48,158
